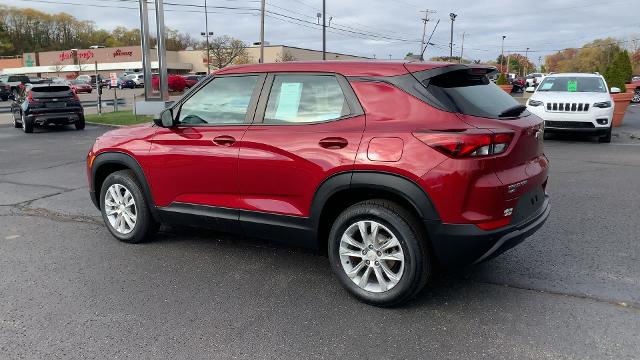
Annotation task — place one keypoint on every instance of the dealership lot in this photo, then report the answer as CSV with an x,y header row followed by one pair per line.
x,y
70,290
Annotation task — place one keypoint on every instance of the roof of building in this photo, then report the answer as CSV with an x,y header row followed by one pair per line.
x,y
346,67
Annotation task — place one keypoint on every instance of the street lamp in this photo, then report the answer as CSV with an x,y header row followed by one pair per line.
x,y
453,17
206,35
526,64
502,56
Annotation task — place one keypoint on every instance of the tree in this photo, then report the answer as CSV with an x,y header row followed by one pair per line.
x,y
225,49
502,79
285,56
619,71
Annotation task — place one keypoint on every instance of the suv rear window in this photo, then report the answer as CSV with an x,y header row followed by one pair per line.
x,y
463,92
22,79
51,91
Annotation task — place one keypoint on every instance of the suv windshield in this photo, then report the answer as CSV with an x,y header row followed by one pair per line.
x,y
464,92
572,84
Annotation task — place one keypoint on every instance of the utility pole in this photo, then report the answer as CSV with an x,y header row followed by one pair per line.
x,y
324,30
461,48
508,59
206,29
540,62
452,16
424,27
526,64
502,56
261,60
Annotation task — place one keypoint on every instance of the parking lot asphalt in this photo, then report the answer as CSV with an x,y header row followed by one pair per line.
x,y
68,289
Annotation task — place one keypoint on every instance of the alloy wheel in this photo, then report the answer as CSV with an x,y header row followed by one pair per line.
x,y
636,97
371,256
24,122
120,208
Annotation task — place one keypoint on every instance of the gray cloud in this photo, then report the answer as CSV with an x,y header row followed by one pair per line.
x,y
384,27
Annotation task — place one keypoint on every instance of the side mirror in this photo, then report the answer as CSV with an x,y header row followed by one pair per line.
x,y
615,90
530,89
165,119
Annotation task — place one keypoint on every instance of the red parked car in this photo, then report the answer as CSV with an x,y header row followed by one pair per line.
x,y
390,167
80,86
192,80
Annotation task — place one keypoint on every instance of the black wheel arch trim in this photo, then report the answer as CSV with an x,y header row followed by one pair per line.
x,y
129,162
393,183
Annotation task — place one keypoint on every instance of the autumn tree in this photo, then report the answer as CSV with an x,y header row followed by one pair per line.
x,y
285,56
224,50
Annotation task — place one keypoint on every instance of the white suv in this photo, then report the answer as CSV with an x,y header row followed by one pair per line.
x,y
574,102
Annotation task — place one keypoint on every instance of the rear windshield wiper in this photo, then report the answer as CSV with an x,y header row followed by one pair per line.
x,y
513,111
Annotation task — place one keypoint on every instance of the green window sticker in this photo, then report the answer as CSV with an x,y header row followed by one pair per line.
x,y
288,101
572,85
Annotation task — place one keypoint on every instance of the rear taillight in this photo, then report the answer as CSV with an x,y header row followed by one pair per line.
x,y
30,99
468,143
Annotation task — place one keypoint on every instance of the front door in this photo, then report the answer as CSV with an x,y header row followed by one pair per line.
x,y
194,166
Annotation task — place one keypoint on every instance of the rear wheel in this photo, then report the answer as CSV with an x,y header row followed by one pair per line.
x,y
636,97
80,124
27,124
124,208
377,251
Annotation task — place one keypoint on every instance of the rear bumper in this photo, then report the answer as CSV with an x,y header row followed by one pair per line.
x,y
463,244
56,117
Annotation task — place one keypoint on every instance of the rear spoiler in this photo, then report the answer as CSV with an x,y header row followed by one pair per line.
x,y
475,69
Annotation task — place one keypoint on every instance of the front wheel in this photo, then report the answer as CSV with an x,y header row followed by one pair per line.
x,y
636,97
124,208
378,251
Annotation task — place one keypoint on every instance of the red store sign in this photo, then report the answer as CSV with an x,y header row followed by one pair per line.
x,y
85,55
119,52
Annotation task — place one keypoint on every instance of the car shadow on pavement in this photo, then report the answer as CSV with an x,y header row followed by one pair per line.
x,y
444,287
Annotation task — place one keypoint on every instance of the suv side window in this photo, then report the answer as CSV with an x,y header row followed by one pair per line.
x,y
308,98
224,100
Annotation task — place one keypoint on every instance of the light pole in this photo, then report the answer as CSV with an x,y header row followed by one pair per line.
x,y
526,64
262,4
452,16
502,55
324,30
206,35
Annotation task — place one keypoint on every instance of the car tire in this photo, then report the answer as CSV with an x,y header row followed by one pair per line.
x,y
606,138
5,98
16,124
119,213
383,273
80,124
27,124
636,97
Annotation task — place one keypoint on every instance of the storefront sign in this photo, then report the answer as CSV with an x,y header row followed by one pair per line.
x,y
85,55
119,52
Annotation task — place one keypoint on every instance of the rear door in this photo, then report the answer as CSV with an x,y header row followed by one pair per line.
x,y
308,126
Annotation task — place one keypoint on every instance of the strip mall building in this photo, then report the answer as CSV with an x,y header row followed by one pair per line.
x,y
70,63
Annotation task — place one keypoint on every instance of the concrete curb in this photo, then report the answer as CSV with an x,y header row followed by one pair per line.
x,y
105,125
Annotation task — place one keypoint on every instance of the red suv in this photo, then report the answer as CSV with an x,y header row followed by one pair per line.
x,y
391,167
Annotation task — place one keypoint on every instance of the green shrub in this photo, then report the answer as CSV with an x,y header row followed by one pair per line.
x,y
619,72
502,80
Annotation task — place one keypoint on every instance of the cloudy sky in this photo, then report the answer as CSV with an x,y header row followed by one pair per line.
x,y
387,27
